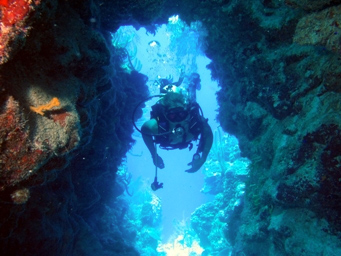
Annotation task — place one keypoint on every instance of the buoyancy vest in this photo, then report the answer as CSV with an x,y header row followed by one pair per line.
x,y
195,126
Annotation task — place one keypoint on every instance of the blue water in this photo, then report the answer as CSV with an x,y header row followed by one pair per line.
x,y
181,193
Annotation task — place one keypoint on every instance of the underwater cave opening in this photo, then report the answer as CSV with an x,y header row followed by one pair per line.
x,y
163,216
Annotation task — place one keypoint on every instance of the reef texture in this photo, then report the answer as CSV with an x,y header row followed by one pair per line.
x,y
278,65
65,124
15,25
226,173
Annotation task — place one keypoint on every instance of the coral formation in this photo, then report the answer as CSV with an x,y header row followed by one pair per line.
x,y
184,245
60,117
42,108
278,66
4,3
124,41
20,196
61,162
13,25
14,11
229,169
309,5
320,29
19,159
143,215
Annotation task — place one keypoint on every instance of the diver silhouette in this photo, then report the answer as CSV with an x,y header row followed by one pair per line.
x,y
177,121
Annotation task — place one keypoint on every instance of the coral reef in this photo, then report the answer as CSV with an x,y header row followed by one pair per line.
x,y
320,29
278,66
19,158
14,25
124,41
310,5
58,160
182,245
230,170
142,216
42,108
20,196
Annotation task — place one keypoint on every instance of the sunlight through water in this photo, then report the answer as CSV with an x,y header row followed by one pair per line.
x,y
174,48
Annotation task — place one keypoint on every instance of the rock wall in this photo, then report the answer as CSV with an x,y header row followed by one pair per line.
x,y
65,121
66,107
278,65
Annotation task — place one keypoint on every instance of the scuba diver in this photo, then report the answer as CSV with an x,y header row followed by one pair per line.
x,y
176,122
193,84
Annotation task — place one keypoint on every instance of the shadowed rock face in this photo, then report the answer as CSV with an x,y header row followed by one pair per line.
x,y
278,66
58,160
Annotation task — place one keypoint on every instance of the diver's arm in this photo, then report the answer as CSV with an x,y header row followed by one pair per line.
x,y
149,129
206,141
181,78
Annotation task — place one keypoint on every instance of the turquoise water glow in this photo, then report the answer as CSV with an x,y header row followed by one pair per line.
x,y
173,47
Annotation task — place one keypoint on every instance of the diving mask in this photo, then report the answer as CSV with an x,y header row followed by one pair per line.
x,y
176,115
